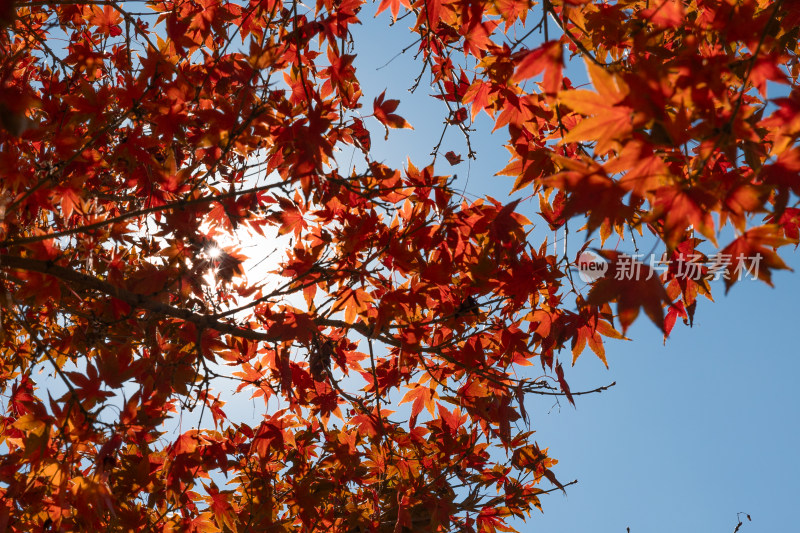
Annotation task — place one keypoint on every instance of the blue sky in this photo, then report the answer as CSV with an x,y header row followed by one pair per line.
x,y
695,430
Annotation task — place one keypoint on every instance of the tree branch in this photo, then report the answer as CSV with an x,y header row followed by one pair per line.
x,y
139,212
131,298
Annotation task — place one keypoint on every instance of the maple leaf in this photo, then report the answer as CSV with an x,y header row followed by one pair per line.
x,y
452,158
666,14
430,15
589,332
513,10
451,420
220,506
361,134
478,93
476,32
88,386
384,112
458,116
783,172
553,213
608,119
394,6
227,264
354,302
107,20
291,218
590,191
637,287
22,398
562,382
643,171
547,58
765,69
422,397
676,309
454,88
678,209
754,253
789,221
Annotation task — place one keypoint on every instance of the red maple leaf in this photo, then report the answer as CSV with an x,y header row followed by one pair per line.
x,y
633,286
107,20
384,112
547,58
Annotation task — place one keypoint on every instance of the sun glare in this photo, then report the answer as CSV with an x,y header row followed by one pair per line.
x,y
261,255
213,252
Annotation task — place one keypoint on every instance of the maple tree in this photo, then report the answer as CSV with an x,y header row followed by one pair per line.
x,y
135,136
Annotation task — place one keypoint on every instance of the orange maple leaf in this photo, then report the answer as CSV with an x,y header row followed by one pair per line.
x,y
754,253
107,20
393,5
608,120
641,289
383,110
548,59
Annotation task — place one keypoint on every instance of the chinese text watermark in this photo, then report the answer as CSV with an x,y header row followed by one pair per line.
x,y
695,267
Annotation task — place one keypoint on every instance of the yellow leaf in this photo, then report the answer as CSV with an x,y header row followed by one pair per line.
x,y
609,86
29,422
584,102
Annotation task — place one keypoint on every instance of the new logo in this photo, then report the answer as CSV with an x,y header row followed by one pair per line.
x,y
591,266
